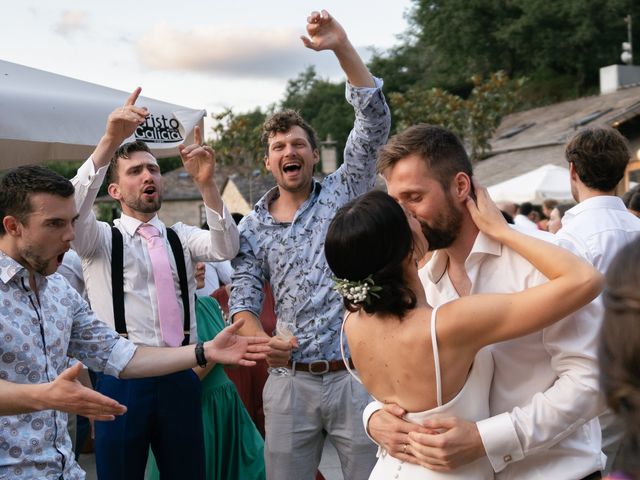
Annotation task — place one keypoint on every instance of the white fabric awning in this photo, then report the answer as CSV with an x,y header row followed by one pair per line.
x,y
45,116
548,181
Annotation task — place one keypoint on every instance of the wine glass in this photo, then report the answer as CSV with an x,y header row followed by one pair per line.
x,y
284,331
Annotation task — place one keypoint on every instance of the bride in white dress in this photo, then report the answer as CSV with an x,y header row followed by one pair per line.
x,y
431,361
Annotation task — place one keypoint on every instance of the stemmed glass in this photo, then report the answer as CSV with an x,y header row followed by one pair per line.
x,y
284,331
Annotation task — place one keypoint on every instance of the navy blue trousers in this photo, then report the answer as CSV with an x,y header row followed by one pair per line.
x,y
163,413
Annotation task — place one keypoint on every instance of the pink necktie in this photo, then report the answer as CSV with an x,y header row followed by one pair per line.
x,y
169,312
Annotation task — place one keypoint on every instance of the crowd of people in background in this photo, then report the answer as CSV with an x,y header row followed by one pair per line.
x,y
426,332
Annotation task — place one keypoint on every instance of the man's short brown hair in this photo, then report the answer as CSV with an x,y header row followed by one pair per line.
x,y
600,156
441,150
20,183
283,121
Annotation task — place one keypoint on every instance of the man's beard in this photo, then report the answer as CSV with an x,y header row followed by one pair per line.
x,y
444,230
139,205
37,263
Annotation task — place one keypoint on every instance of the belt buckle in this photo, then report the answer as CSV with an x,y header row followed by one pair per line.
x,y
325,369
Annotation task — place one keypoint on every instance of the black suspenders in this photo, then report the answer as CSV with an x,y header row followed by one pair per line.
x,y
117,280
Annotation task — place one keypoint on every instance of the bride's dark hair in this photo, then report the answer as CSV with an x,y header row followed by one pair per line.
x,y
370,236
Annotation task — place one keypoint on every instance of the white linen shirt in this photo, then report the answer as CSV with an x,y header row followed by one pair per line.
x,y
545,395
215,274
597,228
93,244
524,222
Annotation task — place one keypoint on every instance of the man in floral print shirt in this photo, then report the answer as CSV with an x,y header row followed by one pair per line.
x,y
281,241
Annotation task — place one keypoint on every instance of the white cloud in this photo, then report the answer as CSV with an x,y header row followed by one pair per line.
x,y
276,53
71,21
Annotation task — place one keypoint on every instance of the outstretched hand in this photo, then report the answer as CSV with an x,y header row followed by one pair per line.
x,y
485,214
67,394
123,121
199,160
325,33
231,349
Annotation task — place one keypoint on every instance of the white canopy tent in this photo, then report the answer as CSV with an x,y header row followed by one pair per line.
x,y
44,116
548,181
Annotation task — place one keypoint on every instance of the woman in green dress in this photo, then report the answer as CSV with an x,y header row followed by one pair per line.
x,y
233,446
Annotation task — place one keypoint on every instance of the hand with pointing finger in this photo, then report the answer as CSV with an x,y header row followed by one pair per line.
x,y
123,121
121,124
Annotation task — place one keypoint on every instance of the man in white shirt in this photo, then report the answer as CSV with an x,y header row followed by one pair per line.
x,y
71,269
544,394
216,274
600,224
163,412
522,218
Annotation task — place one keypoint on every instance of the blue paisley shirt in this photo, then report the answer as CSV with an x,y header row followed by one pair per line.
x,y
291,255
37,336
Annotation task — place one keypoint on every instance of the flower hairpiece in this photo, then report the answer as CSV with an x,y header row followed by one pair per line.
x,y
357,291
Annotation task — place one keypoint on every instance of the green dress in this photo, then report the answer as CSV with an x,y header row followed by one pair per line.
x,y
233,446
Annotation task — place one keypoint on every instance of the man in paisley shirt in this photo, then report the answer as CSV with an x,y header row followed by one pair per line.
x,y
45,321
281,241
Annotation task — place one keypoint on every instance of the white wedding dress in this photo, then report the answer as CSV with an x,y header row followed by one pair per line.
x,y
471,403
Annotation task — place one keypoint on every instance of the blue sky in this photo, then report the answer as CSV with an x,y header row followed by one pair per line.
x,y
209,55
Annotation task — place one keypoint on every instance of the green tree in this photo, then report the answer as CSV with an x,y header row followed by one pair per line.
x,y
404,66
236,137
561,43
474,119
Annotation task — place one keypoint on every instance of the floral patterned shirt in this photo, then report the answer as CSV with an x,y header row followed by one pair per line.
x,y
291,255
38,334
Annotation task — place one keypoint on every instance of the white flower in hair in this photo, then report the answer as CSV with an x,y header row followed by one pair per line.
x,y
357,291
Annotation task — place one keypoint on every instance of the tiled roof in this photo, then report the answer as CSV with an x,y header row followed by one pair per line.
x,y
545,130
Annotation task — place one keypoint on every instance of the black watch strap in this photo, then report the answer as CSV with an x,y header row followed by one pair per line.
x,y
200,358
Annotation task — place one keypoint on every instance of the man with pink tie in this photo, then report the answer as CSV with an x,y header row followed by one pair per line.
x,y
139,286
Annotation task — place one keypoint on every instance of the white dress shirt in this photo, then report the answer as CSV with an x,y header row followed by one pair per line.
x,y
93,244
545,394
524,222
215,274
71,269
597,228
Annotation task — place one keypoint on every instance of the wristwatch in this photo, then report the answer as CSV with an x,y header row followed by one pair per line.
x,y
200,358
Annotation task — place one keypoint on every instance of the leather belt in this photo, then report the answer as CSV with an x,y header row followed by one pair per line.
x,y
320,367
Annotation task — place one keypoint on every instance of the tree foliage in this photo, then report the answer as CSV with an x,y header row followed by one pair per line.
x,y
474,119
538,39
236,137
